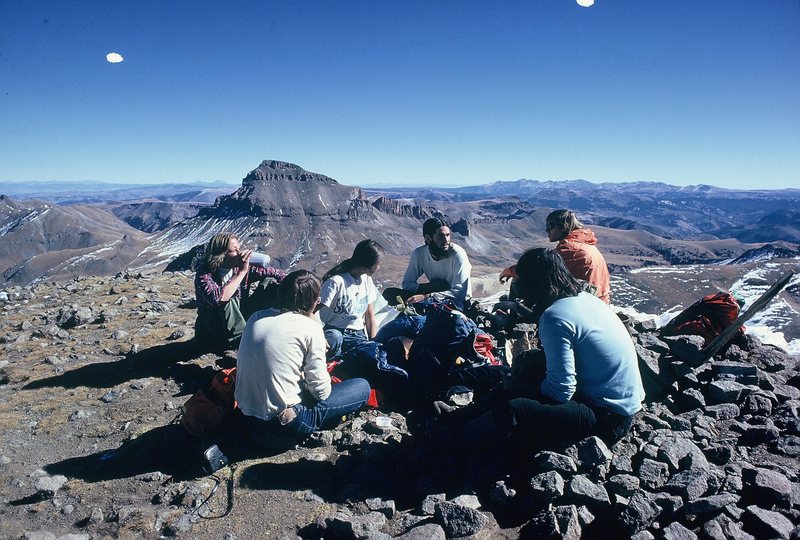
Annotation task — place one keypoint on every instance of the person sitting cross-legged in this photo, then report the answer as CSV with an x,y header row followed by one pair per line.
x,y
282,382
443,263
347,297
588,381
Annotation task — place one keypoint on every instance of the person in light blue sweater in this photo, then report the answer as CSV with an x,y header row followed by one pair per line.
x,y
585,380
589,356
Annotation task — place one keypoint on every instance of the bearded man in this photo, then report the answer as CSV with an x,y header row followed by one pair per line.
x,y
444,264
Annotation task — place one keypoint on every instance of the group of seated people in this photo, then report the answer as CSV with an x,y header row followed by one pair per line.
x,y
585,380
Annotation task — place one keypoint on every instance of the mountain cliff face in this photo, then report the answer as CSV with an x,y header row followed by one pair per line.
x,y
397,208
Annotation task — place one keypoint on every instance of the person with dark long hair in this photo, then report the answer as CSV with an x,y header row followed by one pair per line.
x,y
345,306
282,381
577,245
588,381
221,285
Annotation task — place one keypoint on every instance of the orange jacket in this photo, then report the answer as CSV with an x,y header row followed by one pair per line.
x,y
584,260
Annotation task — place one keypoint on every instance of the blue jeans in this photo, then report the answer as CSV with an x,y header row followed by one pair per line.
x,y
402,326
341,340
346,397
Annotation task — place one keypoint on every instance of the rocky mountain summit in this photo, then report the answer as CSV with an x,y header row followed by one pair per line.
x,y
93,372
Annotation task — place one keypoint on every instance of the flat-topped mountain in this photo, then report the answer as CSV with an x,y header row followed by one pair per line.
x,y
277,188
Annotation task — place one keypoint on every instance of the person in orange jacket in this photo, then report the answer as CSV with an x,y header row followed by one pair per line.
x,y
577,245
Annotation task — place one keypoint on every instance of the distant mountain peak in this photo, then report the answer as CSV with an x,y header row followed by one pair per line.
x,y
272,171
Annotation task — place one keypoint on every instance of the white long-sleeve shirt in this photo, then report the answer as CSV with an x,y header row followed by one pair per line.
x,y
454,269
280,353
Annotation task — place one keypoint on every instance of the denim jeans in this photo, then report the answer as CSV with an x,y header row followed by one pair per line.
x,y
342,340
346,397
402,326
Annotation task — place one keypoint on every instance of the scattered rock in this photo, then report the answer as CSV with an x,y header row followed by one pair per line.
x,y
457,520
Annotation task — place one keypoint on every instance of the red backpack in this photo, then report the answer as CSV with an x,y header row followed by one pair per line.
x,y
707,317
213,406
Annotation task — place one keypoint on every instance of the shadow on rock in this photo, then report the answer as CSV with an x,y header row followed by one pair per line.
x,y
169,450
316,476
164,361
378,470
166,449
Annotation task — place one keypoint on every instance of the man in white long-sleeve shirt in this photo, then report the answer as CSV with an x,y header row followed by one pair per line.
x,y
282,381
445,264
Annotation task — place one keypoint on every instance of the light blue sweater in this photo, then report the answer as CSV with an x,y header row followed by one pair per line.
x,y
590,355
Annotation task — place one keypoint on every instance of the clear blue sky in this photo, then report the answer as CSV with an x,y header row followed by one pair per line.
x,y
430,92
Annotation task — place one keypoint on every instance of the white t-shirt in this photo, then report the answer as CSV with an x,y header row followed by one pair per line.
x,y
344,300
278,355
454,269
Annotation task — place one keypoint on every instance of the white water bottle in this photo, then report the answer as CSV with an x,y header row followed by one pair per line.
x,y
259,259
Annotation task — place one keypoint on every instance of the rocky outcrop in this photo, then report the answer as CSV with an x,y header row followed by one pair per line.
x,y
281,171
360,210
397,208
461,227
155,216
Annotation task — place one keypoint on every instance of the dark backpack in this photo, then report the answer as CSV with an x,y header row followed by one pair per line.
x,y
448,341
213,407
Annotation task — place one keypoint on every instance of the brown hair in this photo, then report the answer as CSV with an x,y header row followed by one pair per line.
x,y
299,292
215,250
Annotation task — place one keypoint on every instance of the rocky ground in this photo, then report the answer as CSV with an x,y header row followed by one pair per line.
x,y
93,373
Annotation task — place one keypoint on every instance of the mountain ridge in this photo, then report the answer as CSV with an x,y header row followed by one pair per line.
x,y
308,219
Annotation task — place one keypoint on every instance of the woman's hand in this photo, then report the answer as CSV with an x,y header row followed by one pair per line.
x,y
244,257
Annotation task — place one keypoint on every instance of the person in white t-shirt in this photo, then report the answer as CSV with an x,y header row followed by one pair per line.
x,y
345,306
